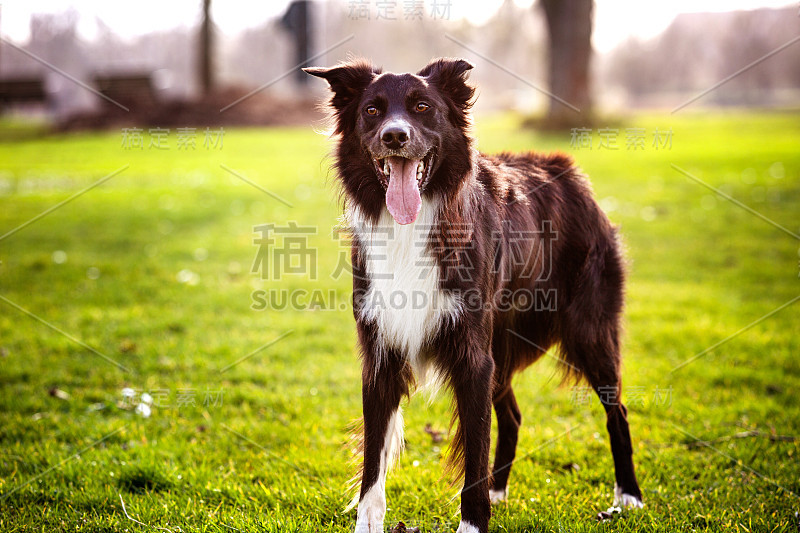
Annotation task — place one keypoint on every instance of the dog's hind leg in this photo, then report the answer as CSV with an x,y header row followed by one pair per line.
x,y
591,349
626,488
603,373
509,419
382,389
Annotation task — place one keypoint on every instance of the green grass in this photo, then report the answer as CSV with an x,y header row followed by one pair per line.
x,y
263,445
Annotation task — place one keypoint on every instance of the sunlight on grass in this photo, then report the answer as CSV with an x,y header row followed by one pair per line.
x,y
153,269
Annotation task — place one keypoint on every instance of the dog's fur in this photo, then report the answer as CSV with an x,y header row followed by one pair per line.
x,y
503,257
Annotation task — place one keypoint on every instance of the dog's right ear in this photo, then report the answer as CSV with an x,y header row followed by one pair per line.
x,y
347,81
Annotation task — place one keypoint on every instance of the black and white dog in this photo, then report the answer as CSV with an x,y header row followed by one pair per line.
x,y
466,269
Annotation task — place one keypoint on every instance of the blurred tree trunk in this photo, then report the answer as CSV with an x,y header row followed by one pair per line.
x,y
206,67
569,27
297,21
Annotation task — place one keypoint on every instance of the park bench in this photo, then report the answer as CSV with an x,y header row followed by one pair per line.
x,y
132,90
29,90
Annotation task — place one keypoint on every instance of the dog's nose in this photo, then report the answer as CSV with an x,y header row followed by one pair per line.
x,y
395,135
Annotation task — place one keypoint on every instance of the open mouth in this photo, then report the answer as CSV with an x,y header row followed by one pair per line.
x,y
403,179
384,169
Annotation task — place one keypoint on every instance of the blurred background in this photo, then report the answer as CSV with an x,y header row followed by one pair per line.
x,y
180,62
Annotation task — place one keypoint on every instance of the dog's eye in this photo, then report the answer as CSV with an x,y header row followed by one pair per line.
x,y
422,107
371,110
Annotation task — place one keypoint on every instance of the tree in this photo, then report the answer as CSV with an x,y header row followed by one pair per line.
x,y
206,45
569,28
296,20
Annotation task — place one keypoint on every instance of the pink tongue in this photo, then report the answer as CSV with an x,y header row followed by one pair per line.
x,y
402,196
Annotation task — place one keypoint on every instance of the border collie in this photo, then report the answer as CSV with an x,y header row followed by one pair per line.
x,y
466,269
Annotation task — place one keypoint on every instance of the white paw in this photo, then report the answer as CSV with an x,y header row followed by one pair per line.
x,y
497,496
371,510
369,524
466,527
624,500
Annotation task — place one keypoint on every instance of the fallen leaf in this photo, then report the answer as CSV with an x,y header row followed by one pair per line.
x,y
127,346
401,528
436,436
58,393
608,514
570,467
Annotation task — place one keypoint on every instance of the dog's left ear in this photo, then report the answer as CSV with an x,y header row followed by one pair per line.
x,y
347,81
450,76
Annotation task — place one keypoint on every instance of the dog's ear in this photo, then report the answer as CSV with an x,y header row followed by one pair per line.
x,y
450,77
347,81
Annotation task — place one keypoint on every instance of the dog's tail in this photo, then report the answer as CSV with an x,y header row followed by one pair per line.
x,y
454,460
591,328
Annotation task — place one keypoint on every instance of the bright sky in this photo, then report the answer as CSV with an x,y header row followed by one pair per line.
x,y
615,20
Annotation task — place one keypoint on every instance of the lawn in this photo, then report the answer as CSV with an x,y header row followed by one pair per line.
x,y
144,286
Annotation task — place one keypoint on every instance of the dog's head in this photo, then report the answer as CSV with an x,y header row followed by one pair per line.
x,y
402,136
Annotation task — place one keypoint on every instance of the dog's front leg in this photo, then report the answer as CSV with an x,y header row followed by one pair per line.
x,y
383,385
472,385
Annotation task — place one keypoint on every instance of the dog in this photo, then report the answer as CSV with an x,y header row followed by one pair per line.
x,y
467,268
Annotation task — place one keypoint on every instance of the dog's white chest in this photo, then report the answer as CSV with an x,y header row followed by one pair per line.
x,y
404,299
